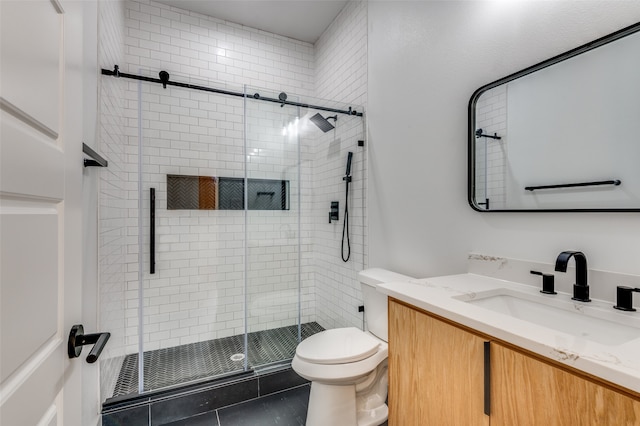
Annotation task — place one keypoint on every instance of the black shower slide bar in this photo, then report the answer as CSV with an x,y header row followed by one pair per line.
x,y
615,182
164,80
97,159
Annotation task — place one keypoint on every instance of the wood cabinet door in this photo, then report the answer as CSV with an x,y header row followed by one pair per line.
x,y
436,373
527,391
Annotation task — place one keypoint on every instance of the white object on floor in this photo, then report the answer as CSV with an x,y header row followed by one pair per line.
x,y
347,367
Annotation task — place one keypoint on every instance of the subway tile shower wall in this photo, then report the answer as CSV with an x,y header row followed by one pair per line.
x,y
190,44
341,75
197,292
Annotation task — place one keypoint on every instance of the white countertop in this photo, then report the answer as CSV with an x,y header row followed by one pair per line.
x,y
618,364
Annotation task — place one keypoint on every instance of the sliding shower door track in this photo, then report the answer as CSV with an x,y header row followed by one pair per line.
x,y
183,389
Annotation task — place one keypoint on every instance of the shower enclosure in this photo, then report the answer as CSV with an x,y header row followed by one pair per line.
x,y
208,224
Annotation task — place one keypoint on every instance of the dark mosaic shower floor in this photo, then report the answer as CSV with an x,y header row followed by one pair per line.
x,y
186,363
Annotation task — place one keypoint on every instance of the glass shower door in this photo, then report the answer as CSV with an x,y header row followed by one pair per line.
x,y
193,283
222,259
273,251
294,169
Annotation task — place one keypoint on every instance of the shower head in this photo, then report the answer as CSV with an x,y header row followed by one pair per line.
x,y
323,123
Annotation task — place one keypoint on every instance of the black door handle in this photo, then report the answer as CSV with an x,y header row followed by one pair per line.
x,y
487,378
77,339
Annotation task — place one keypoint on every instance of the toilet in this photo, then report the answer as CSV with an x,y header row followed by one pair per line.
x,y
347,367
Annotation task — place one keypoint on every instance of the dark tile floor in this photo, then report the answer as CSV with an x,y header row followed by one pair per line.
x,y
276,391
287,408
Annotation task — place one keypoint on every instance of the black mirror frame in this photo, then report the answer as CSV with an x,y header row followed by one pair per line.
x,y
544,64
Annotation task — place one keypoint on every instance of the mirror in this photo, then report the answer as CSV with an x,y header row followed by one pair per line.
x,y
562,135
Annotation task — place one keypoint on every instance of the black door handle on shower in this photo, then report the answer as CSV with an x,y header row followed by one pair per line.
x,y
152,235
77,339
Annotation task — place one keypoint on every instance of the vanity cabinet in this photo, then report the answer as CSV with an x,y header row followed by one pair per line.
x,y
436,371
529,391
437,377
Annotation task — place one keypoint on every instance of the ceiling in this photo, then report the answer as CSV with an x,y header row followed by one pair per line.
x,y
303,20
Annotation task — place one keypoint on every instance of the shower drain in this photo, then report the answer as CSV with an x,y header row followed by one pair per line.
x,y
237,357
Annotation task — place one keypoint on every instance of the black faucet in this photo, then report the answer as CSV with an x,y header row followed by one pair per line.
x,y
580,288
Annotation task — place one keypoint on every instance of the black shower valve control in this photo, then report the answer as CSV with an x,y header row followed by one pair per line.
x,y
361,308
624,298
334,212
547,282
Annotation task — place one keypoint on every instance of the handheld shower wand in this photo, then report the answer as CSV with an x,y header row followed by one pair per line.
x,y
345,225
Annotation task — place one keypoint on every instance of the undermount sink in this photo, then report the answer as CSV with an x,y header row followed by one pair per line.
x,y
577,319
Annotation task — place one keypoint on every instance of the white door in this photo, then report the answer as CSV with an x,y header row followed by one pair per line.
x,y
40,211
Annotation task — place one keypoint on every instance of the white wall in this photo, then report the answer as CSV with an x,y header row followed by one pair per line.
x,y
90,374
425,61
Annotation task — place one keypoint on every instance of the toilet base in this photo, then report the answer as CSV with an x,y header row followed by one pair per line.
x,y
331,405
360,404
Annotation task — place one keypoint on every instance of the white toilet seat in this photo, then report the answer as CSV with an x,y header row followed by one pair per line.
x,y
347,372
338,346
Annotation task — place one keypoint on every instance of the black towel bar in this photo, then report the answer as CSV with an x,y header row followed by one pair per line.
x,y
97,159
615,182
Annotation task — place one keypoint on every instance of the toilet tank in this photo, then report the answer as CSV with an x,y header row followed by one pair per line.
x,y
375,303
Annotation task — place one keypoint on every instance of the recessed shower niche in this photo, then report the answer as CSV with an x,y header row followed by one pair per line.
x,y
223,193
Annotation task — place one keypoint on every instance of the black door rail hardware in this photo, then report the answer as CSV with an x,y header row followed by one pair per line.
x,y
614,182
282,98
77,339
97,159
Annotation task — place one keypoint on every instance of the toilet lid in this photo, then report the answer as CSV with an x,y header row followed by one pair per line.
x,y
338,346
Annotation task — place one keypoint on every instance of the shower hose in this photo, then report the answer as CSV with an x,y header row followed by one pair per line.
x,y
345,224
